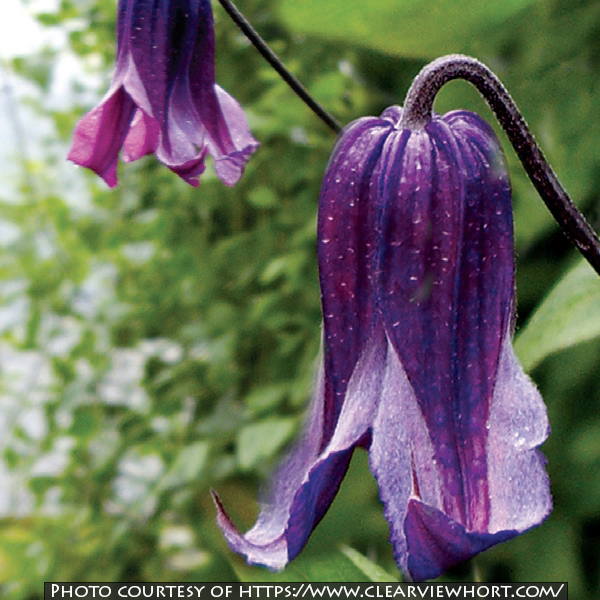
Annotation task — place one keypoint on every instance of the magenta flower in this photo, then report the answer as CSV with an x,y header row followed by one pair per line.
x,y
415,251
163,98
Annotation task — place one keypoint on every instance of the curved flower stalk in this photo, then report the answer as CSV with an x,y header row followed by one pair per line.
x,y
163,98
415,250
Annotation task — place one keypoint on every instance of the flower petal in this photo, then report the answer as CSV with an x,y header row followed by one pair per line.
x,y
436,542
100,134
305,485
446,289
426,540
454,396
142,138
401,454
347,241
175,62
229,140
518,424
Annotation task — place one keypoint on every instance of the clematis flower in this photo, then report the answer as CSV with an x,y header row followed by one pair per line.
x,y
163,98
415,250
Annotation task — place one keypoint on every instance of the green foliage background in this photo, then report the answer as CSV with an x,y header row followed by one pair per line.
x,y
177,328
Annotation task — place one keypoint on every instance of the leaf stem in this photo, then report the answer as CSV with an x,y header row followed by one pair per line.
x,y
268,54
418,110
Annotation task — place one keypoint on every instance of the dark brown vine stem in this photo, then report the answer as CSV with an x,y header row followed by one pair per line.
x,y
238,18
418,111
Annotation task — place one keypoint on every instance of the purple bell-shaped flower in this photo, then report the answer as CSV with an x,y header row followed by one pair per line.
x,y
163,98
416,261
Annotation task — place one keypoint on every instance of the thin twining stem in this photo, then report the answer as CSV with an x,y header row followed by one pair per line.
x,y
268,54
418,110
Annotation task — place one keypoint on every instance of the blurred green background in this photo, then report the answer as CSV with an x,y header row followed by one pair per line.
x,y
158,340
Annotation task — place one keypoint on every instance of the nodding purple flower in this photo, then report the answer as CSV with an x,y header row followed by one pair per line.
x,y
163,98
415,250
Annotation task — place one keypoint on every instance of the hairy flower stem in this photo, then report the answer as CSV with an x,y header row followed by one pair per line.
x,y
268,54
418,109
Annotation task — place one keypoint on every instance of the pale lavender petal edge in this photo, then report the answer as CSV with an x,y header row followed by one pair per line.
x,y
518,425
401,455
426,542
230,163
308,480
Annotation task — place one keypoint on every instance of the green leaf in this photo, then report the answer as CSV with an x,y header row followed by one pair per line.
x,y
342,565
266,397
371,570
288,265
569,315
187,467
262,440
408,28
262,197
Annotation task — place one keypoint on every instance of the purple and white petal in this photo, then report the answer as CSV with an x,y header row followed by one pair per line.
x,y
305,485
518,425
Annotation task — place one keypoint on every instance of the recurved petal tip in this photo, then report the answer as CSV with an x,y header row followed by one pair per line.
x,y
306,483
272,554
436,542
231,143
100,134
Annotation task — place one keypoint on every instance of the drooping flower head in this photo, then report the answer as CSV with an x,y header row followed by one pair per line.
x,y
163,98
415,250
